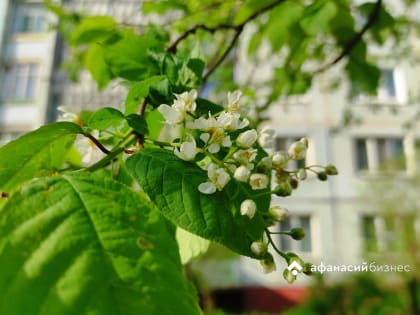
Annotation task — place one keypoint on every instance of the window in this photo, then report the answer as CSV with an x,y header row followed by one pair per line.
x,y
19,81
28,18
379,154
283,144
383,233
386,88
289,244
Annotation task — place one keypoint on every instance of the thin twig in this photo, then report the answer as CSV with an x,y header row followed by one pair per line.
x,y
193,30
225,54
270,240
97,143
348,47
237,28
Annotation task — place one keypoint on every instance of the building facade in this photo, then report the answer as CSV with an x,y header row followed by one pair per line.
x,y
27,50
341,227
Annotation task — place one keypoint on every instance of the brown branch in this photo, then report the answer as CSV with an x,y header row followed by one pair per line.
x,y
142,107
225,54
4,194
97,143
172,48
348,47
237,28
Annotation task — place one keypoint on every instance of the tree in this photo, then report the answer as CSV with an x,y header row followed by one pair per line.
x,y
78,236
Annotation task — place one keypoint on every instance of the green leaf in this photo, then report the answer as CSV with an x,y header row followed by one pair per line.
x,y
138,123
205,106
162,7
138,91
317,17
105,118
37,153
161,93
173,185
86,244
190,245
92,28
155,122
95,63
128,56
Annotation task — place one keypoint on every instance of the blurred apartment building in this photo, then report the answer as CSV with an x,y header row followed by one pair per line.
x,y
341,227
31,55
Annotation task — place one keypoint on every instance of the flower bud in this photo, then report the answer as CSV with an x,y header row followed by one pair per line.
x,y
297,234
283,189
331,170
322,176
278,213
289,276
242,174
266,138
294,183
268,263
247,138
279,159
248,208
258,248
264,165
297,151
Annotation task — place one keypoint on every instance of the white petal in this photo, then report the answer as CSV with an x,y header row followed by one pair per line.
x,y
207,188
214,148
205,137
171,115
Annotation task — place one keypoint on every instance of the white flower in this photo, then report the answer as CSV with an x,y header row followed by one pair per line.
x,y
247,138
200,123
233,101
278,213
218,179
67,115
279,159
218,138
187,150
268,265
218,176
242,174
172,115
186,101
258,181
258,247
248,208
245,156
231,121
297,151
266,137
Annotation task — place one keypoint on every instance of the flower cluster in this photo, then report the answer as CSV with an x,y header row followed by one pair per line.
x,y
227,148
229,145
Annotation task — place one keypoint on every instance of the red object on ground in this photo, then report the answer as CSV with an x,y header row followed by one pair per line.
x,y
272,300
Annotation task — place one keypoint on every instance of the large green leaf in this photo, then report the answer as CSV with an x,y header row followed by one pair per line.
x,y
172,184
92,28
36,153
83,243
128,56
